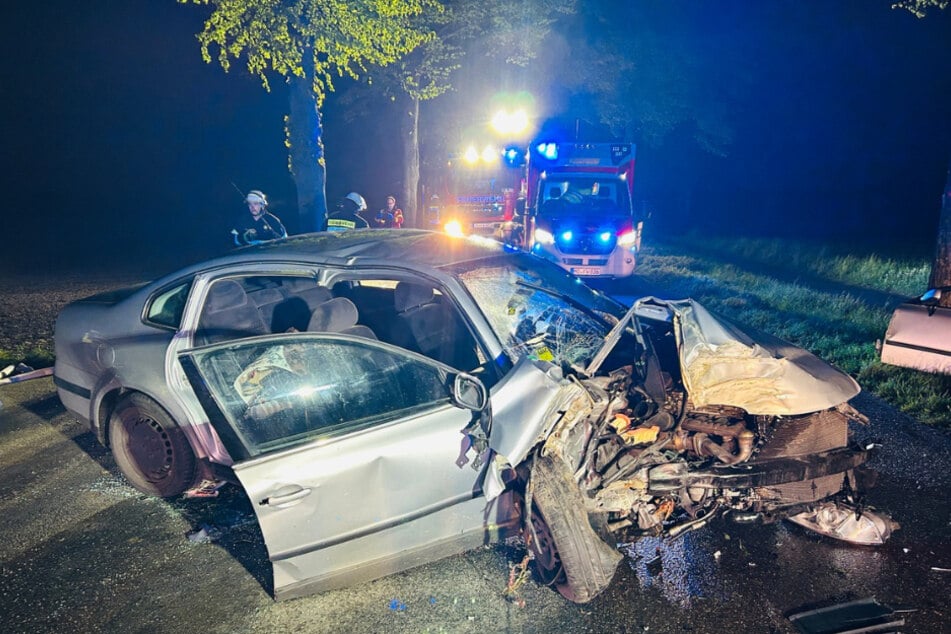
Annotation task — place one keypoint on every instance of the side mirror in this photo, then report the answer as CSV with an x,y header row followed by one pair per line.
x,y
469,392
931,298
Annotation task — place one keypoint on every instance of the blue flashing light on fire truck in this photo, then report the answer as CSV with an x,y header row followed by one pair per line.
x,y
579,210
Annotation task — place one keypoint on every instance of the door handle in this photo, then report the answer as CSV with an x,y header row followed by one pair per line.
x,y
285,496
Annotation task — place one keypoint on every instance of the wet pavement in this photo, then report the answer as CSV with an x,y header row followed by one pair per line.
x,y
84,552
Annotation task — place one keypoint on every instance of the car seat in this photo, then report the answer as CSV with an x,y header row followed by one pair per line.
x,y
338,315
431,328
228,314
295,311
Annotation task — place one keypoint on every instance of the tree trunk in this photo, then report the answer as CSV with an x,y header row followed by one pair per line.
x,y
306,155
941,267
409,135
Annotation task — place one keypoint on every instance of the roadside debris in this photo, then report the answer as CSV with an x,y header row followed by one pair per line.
x,y
839,521
518,575
22,372
204,535
205,489
919,334
863,615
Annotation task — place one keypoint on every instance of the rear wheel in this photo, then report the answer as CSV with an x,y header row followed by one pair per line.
x,y
150,448
569,554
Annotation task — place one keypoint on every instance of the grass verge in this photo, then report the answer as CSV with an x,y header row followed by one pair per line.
x,y
35,356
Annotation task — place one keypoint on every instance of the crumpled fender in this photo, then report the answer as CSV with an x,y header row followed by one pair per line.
x,y
525,418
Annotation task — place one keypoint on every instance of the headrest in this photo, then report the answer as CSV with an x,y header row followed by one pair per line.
x,y
315,296
298,284
334,315
264,296
225,295
408,295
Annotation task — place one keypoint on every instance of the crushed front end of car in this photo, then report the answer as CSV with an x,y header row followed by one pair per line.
x,y
706,421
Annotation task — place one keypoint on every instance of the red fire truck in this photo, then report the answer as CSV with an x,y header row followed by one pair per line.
x,y
479,192
579,211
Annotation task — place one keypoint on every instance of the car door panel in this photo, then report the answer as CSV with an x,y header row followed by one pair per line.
x,y
350,499
373,502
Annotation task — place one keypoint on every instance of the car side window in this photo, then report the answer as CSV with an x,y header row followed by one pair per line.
x,y
293,389
166,308
418,316
236,307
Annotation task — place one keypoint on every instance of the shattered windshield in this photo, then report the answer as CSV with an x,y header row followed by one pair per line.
x,y
539,311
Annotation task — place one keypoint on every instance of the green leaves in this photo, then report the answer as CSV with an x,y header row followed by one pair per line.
x,y
315,39
920,7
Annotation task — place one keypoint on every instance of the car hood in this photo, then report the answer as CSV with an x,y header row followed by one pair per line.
x,y
764,375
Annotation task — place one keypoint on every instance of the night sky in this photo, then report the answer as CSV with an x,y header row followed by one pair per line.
x,y
122,145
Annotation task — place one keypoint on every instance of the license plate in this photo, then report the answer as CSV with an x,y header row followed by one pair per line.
x,y
483,225
586,270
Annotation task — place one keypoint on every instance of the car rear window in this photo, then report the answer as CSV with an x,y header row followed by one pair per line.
x,y
166,308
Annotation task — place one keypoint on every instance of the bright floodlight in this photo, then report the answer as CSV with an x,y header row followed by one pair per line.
x,y
454,228
489,154
471,155
505,122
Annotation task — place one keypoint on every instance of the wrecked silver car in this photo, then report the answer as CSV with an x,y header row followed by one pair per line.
x,y
389,398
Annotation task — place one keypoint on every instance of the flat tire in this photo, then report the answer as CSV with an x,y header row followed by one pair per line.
x,y
150,448
569,554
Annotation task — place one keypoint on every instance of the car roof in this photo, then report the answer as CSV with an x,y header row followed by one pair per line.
x,y
428,248
407,247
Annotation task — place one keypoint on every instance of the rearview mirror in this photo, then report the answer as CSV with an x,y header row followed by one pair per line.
x,y
469,392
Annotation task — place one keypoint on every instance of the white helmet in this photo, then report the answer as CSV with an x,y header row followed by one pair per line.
x,y
357,200
256,196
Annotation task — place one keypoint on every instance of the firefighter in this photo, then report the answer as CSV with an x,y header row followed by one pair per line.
x,y
260,224
347,216
390,215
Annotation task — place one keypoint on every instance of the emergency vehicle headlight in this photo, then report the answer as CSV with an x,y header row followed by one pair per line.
x,y
544,237
566,236
605,236
453,228
627,239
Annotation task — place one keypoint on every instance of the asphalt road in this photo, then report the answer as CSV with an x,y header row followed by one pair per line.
x,y
84,552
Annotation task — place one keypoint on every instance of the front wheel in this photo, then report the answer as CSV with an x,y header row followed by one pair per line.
x,y
150,448
568,552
